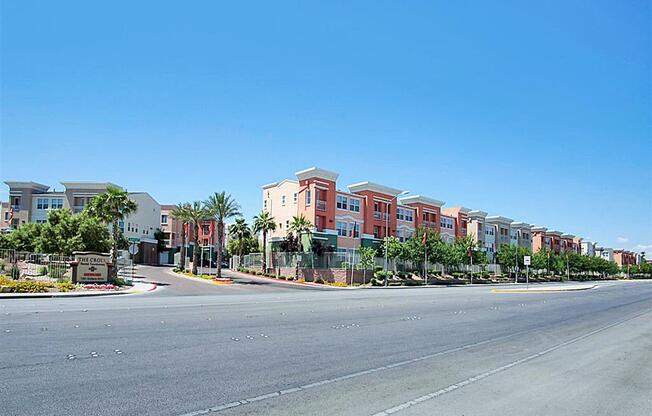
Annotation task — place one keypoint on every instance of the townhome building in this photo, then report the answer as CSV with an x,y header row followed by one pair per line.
x,y
31,202
521,235
606,253
173,230
5,217
427,211
624,257
460,216
567,243
587,248
448,229
476,226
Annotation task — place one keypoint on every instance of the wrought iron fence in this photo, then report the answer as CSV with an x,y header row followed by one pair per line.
x,y
35,266
346,260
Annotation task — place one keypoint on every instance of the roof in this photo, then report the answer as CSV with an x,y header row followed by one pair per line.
x,y
477,214
89,185
315,172
275,184
27,184
415,199
521,225
554,232
567,236
498,218
374,187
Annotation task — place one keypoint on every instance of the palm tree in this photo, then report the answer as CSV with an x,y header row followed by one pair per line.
x,y
264,223
300,225
240,232
180,213
221,206
111,207
197,213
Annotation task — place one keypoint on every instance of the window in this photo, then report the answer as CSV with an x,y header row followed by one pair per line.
x,y
129,226
376,231
294,198
282,200
6,215
265,204
121,225
287,224
308,198
342,202
57,203
341,228
42,203
400,214
15,202
354,230
409,215
164,219
354,205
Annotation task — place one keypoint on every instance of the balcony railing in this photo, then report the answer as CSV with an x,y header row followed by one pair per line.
x,y
378,215
321,205
429,224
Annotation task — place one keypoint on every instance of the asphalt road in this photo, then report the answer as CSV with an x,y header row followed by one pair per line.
x,y
252,349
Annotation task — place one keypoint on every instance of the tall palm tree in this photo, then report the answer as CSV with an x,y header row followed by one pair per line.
x,y
111,207
180,213
221,206
197,213
240,232
264,223
300,225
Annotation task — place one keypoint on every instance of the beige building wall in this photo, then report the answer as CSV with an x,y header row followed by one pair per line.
x,y
281,200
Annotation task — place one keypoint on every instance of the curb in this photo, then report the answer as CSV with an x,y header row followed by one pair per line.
x,y
209,281
49,295
570,289
289,282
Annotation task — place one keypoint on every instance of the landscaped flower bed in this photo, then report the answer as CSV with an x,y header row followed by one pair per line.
x,y
8,285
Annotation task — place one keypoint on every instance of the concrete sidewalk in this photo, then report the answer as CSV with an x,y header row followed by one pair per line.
x,y
137,288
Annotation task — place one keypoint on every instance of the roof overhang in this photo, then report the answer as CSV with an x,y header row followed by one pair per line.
x,y
419,199
567,236
373,187
475,214
315,172
499,219
27,184
89,185
522,225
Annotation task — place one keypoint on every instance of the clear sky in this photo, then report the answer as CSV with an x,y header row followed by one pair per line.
x,y
539,111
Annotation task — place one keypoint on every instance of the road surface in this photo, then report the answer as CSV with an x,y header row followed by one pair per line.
x,y
193,348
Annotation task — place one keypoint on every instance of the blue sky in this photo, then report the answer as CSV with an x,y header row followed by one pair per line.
x,y
538,112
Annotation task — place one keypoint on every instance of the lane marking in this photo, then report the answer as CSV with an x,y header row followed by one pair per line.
x,y
350,375
502,368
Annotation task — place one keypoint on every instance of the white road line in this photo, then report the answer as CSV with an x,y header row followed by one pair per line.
x,y
486,374
348,376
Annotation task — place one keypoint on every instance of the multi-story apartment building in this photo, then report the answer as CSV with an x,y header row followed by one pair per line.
x,y
577,245
448,229
587,248
606,253
521,235
427,211
31,202
476,226
502,229
461,217
624,257
567,243
5,217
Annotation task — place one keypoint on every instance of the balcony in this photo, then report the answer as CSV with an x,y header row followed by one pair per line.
x,y
429,224
378,215
321,205
15,208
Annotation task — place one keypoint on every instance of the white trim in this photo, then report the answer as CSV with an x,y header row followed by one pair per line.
x,y
323,188
475,214
404,227
421,199
348,217
88,185
374,187
315,172
499,219
379,199
326,184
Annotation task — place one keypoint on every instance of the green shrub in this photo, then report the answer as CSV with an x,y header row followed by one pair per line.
x,y
320,281
65,286
338,284
42,271
15,272
2,266
282,277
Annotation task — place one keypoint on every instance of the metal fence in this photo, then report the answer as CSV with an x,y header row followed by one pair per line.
x,y
347,260
35,266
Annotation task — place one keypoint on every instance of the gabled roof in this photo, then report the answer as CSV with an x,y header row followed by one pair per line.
x,y
414,199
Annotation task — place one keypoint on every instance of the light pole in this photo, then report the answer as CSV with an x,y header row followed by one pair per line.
x,y
387,231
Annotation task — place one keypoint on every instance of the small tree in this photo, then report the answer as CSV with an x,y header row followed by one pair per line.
x,y
367,256
299,225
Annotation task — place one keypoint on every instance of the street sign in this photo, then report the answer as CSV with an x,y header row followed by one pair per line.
x,y
134,239
133,249
527,260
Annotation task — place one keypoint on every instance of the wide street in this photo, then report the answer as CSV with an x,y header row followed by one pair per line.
x,y
262,347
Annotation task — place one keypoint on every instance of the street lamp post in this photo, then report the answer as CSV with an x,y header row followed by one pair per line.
x,y
387,232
